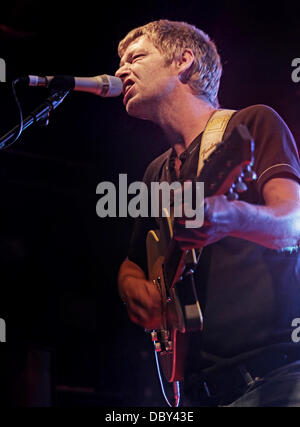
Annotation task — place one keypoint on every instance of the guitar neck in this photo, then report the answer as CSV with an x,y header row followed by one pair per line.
x,y
230,162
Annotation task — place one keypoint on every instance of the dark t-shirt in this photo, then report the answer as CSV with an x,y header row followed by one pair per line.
x,y
249,294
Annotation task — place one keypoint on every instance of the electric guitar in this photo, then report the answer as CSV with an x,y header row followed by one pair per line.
x,y
226,171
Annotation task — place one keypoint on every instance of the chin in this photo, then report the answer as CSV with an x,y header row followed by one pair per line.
x,y
137,109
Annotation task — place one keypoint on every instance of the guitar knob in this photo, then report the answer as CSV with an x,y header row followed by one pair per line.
x,y
240,186
154,336
157,347
165,335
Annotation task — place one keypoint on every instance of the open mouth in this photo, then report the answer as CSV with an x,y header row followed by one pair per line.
x,y
127,89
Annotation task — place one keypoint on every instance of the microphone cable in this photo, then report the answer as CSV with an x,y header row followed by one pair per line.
x,y
13,85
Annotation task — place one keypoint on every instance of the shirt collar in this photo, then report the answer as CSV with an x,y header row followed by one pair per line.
x,y
193,145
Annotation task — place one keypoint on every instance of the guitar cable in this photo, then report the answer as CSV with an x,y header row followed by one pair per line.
x,y
176,386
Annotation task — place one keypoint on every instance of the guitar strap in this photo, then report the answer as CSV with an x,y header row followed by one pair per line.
x,y
213,134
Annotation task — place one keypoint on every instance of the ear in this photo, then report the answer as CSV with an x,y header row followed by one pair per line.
x,y
184,62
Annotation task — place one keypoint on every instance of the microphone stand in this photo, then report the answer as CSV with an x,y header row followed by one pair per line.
x,y
42,113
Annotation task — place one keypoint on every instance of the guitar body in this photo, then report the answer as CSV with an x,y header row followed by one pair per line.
x,y
181,311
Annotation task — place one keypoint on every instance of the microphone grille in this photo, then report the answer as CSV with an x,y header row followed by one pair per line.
x,y
114,86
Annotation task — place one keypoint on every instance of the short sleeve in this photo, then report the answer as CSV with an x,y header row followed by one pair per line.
x,y
276,153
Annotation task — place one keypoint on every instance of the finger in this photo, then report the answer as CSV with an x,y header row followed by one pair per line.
x,y
146,319
180,227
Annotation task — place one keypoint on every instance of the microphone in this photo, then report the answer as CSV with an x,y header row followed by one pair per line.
x,y
104,85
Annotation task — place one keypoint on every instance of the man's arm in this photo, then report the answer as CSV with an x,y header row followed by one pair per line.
x,y
275,225
141,296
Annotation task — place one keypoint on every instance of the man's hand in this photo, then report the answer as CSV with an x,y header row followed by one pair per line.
x,y
220,219
141,296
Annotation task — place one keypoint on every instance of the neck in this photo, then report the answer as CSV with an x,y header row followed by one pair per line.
x,y
183,123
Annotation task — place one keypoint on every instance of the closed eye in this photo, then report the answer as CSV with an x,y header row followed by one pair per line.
x,y
137,57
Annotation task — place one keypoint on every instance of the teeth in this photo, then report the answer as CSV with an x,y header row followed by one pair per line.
x,y
128,86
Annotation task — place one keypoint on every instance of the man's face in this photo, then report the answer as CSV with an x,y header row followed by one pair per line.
x,y
146,79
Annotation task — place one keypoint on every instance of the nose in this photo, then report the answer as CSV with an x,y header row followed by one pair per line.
x,y
122,72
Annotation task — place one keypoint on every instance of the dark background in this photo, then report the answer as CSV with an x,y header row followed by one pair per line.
x,y
59,260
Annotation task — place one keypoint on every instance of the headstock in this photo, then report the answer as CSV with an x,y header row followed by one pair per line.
x,y
229,168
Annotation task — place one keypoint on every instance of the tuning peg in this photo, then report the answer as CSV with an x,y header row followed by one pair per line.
x,y
240,186
249,174
232,195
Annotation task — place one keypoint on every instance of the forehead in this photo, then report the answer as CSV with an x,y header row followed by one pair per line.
x,y
141,43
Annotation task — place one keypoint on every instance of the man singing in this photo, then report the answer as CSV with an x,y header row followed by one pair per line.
x,y
248,275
